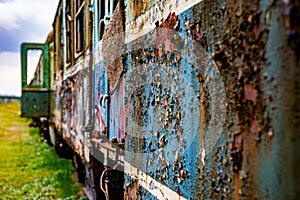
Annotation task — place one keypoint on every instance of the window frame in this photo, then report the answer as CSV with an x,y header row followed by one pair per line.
x,y
68,33
104,14
79,27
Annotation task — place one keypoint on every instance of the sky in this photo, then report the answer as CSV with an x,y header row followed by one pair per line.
x,y
21,21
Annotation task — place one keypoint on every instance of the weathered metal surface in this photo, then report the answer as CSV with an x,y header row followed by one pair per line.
x,y
101,100
250,47
164,120
205,94
35,103
118,109
76,112
114,67
35,100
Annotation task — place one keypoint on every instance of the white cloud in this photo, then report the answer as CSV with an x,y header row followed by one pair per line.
x,y
15,12
10,77
9,59
10,81
21,21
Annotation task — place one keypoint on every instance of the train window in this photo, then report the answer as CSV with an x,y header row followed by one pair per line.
x,y
105,11
111,5
68,31
79,24
34,67
101,14
61,43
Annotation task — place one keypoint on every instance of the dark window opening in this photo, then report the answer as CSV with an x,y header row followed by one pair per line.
x,y
105,11
68,31
79,3
108,7
79,32
101,14
79,25
61,43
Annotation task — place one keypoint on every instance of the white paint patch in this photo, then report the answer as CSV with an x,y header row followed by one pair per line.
x,y
202,156
160,191
146,22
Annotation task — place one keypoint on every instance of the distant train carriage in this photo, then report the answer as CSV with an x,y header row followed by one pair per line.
x,y
184,99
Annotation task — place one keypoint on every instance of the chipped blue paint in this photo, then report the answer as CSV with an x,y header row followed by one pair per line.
x,y
101,98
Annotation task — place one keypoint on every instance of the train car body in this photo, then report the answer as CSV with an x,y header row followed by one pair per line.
x,y
36,95
185,99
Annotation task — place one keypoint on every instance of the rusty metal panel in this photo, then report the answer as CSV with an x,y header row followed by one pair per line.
x,y
205,93
164,121
253,46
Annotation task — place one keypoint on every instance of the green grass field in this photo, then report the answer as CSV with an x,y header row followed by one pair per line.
x,y
29,168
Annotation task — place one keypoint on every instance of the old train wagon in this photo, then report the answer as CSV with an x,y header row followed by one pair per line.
x,y
36,94
178,99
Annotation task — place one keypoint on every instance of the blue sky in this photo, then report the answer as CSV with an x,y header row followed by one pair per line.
x,y
21,21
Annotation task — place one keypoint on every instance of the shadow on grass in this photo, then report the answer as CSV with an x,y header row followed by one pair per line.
x,y
60,170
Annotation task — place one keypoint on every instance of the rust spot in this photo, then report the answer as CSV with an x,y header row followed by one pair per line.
x,y
170,22
250,93
254,126
133,192
139,7
165,36
256,31
236,153
112,47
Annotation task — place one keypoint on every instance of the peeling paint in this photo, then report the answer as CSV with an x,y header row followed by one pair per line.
x,y
146,102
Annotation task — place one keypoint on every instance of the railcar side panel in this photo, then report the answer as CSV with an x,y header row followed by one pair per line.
x,y
118,109
242,41
178,99
101,100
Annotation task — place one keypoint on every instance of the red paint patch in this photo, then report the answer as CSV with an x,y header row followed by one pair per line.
x,y
254,127
164,102
256,31
250,93
238,142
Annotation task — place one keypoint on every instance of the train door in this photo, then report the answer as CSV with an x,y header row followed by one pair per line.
x,y
35,100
